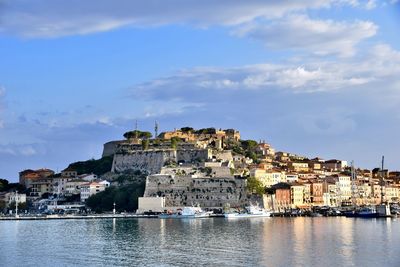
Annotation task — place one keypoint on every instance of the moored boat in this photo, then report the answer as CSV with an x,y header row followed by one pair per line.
x,y
186,212
366,212
251,212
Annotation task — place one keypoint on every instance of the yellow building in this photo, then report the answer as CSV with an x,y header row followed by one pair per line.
x,y
392,194
268,177
297,195
298,166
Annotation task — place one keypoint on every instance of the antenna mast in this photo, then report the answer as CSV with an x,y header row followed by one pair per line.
x,y
156,129
136,129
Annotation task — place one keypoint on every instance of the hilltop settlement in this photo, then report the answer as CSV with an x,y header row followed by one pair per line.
x,y
211,168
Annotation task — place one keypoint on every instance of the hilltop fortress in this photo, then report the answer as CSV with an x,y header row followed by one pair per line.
x,y
185,166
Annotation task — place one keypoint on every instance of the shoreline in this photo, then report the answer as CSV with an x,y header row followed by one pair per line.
x,y
71,217
142,216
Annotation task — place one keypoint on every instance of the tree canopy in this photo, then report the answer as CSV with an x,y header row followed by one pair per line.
x,y
206,131
125,198
3,185
248,144
187,129
254,186
174,142
7,186
145,144
98,167
137,134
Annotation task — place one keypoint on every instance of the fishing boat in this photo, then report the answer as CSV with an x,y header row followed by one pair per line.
x,y
365,212
186,212
251,211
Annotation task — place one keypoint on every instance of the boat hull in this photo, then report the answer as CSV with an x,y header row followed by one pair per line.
x,y
178,216
361,214
244,215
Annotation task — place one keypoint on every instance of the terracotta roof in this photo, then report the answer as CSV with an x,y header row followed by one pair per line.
x,y
26,171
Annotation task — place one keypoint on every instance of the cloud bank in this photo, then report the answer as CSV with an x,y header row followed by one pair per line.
x,y
321,37
52,18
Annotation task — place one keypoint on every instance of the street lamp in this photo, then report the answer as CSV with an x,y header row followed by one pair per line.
x,y
16,203
114,209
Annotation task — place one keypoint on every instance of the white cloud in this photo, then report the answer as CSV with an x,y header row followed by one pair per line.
x,y
50,18
18,150
376,70
27,151
7,151
371,4
321,37
105,120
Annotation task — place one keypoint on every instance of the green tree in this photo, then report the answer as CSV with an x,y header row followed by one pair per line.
x,y
137,134
252,155
145,144
254,186
21,206
187,129
206,131
98,167
174,142
3,205
125,198
3,185
248,144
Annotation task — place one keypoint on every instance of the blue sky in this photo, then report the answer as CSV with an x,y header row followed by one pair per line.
x,y
315,77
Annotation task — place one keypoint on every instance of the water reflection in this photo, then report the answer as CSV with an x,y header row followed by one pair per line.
x,y
216,242
346,240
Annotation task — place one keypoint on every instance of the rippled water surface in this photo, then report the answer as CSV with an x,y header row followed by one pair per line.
x,y
201,242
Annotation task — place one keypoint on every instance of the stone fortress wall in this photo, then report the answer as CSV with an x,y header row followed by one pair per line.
x,y
186,190
152,160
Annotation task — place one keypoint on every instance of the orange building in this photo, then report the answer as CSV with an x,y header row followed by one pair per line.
x,y
26,177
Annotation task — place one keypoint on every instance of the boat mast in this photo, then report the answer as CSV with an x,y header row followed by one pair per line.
x,y
353,185
382,180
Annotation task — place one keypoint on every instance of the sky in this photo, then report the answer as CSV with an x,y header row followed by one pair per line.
x,y
313,77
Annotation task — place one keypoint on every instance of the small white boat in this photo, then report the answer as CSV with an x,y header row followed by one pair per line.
x,y
186,212
251,212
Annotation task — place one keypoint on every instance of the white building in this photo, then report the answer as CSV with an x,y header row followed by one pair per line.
x,y
292,177
155,204
88,177
60,185
14,197
74,186
344,188
92,188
